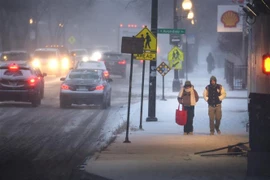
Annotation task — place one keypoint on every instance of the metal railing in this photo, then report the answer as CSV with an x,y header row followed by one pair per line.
x,y
235,75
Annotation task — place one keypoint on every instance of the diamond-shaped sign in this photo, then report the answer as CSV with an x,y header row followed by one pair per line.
x,y
163,68
71,40
175,58
150,45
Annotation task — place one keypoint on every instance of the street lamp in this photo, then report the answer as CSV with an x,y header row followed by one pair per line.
x,y
187,5
31,21
190,15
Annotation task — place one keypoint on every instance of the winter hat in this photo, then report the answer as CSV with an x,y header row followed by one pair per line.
x,y
187,83
213,78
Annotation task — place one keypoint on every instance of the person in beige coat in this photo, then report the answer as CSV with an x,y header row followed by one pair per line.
x,y
188,97
214,94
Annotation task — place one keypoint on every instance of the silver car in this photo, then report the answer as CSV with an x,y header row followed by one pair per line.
x,y
85,86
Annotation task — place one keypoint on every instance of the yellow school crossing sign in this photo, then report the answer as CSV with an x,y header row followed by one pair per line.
x,y
175,58
149,47
71,40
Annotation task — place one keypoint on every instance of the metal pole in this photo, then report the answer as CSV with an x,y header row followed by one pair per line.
x,y
129,98
176,82
152,68
141,113
163,87
186,59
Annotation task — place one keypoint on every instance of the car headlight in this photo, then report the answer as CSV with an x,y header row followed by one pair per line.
x,y
65,63
96,55
85,58
36,63
53,63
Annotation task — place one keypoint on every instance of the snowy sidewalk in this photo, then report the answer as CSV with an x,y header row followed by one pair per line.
x,y
161,151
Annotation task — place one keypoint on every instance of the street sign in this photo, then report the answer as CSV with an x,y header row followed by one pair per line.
x,y
132,45
163,68
175,39
71,40
171,31
150,45
175,58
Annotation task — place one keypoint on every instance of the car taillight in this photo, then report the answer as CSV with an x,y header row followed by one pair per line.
x,y
32,81
64,87
122,62
13,67
100,87
106,74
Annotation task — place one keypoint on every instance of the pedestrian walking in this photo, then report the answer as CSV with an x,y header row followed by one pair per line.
x,y
188,97
210,63
214,94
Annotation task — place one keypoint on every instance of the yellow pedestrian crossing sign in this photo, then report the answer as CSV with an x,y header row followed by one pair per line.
x,y
71,40
149,47
175,58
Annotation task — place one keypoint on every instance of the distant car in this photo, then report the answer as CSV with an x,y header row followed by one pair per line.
x,y
85,86
79,54
20,82
15,56
49,60
115,63
65,55
93,65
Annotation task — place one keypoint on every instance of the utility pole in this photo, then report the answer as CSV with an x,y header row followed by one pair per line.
x,y
153,66
176,82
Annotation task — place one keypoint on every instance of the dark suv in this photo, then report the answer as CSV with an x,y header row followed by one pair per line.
x,y
19,82
115,63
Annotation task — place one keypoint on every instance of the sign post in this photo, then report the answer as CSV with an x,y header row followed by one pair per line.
x,y
163,69
150,49
131,45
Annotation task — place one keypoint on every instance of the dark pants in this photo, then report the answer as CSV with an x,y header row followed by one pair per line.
x,y
190,115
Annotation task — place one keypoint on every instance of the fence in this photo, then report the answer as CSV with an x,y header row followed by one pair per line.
x,y
235,75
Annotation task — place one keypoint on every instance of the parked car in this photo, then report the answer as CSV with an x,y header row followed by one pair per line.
x,y
20,82
85,86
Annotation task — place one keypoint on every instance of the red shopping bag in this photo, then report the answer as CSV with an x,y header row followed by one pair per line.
x,y
181,116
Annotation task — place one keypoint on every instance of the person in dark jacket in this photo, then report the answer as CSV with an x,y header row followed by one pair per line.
x,y
188,97
210,63
214,94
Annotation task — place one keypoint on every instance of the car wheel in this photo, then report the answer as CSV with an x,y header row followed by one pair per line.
x,y
124,75
64,103
37,101
104,104
109,100
42,94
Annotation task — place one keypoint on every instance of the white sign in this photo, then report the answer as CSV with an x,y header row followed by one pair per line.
x,y
228,19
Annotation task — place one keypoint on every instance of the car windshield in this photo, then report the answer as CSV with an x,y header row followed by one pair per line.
x,y
44,54
6,73
84,74
111,56
91,65
20,56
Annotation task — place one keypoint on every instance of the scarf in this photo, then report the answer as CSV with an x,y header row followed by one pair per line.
x,y
192,95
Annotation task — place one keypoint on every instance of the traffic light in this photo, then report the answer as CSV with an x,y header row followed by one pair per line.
x,y
266,64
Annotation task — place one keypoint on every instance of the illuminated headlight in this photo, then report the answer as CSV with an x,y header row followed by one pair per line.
x,y
96,56
85,58
36,63
65,63
53,63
